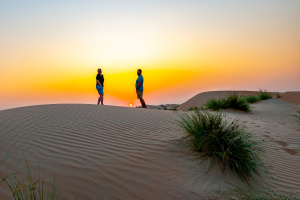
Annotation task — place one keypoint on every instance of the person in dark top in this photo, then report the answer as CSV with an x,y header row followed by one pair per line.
x,y
99,85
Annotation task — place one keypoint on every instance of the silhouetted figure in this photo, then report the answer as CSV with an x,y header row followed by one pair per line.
x,y
99,85
139,86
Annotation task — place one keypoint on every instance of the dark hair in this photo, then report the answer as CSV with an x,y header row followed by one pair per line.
x,y
99,69
140,70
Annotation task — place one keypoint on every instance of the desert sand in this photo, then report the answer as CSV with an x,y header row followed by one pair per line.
x,y
291,97
109,152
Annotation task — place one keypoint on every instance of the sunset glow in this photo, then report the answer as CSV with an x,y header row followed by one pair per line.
x,y
50,51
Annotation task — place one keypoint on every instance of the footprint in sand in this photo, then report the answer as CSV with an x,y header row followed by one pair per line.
x,y
282,143
289,151
285,148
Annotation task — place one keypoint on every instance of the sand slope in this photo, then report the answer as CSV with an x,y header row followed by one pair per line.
x,y
291,97
273,121
106,152
201,98
99,152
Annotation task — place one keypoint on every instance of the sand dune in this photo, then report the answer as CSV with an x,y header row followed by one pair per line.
x,y
201,98
98,152
291,97
274,120
107,152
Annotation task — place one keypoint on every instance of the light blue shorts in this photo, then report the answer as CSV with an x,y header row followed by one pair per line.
x,y
100,89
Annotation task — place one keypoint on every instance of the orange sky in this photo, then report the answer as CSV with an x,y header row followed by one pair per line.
x,y
50,51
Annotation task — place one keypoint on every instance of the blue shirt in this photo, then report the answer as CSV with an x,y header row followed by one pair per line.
x,y
140,79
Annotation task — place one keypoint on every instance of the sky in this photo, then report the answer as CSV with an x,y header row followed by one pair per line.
x,y
50,50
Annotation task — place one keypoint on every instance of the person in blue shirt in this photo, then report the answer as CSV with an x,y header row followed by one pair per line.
x,y
139,86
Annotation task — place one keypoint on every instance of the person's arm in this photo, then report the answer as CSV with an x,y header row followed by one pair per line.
x,y
99,83
139,85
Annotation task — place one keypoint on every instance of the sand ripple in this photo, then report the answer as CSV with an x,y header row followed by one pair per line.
x,y
107,152
97,152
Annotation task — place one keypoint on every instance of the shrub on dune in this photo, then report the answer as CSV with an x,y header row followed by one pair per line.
x,y
251,98
237,102
213,137
264,94
193,108
216,104
232,100
278,95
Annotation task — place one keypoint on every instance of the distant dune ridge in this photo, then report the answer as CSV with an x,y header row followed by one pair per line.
x,y
201,98
109,152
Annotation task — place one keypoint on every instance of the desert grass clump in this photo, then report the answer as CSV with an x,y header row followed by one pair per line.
x,y
214,137
237,102
174,108
216,104
251,98
232,100
264,94
278,95
30,189
193,108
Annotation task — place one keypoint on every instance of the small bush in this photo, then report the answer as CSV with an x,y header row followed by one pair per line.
x,y
237,102
264,94
216,104
251,98
232,100
30,189
193,108
278,95
246,193
214,137
174,108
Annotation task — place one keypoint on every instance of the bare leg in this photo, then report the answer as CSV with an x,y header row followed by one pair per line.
x,y
143,103
101,98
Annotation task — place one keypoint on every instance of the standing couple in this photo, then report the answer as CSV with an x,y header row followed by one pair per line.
x,y
139,86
